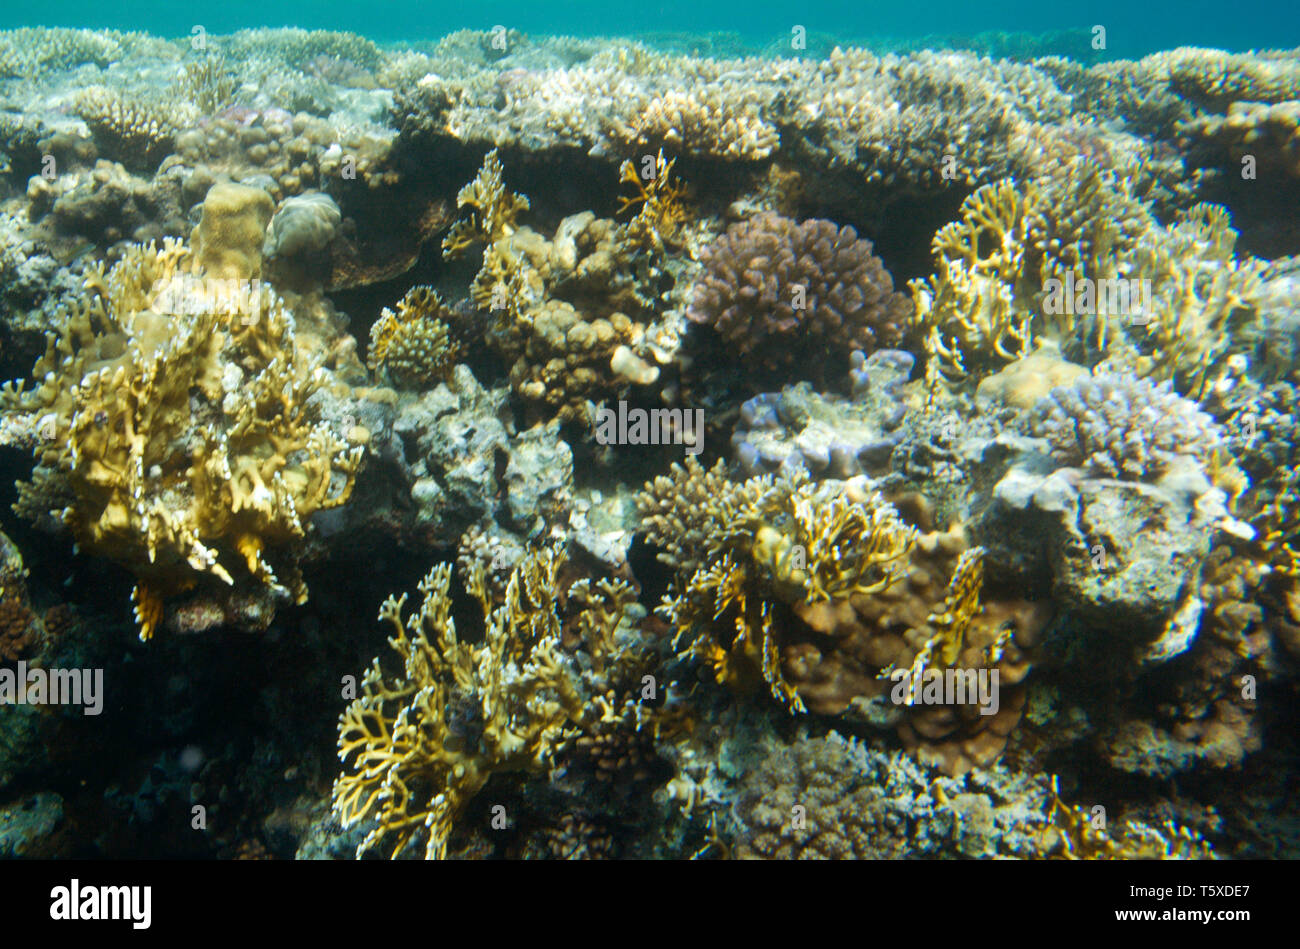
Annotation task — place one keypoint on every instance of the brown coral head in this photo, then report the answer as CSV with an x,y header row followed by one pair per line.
x,y
792,289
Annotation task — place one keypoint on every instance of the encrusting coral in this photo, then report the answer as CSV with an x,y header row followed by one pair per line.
x,y
182,439
417,748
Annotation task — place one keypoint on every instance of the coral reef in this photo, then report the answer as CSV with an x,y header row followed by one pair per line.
x,y
1028,530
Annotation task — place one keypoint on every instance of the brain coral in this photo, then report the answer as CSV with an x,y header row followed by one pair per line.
x,y
1120,426
791,290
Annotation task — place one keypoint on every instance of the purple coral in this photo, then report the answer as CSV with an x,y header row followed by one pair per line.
x,y
1120,426
792,290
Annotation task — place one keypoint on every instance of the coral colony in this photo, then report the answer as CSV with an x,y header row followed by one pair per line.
x,y
905,437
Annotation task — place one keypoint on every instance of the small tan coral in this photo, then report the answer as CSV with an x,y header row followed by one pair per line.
x,y
228,240
413,344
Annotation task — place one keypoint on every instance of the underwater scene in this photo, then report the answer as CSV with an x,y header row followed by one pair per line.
x,y
659,431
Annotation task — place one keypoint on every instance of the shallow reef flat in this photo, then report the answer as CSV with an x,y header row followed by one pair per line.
x,y
814,452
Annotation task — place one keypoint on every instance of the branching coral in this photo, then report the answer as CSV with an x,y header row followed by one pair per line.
x,y
1120,426
208,83
663,211
821,592
493,210
779,544
413,344
1075,834
182,439
1201,296
713,124
418,747
784,291
1025,265
137,133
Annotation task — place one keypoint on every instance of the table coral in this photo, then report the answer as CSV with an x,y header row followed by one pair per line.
x,y
182,442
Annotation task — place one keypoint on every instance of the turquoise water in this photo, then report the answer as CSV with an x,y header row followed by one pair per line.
x,y
1133,28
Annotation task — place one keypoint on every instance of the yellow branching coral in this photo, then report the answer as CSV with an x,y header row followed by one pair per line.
x,y
493,210
182,445
970,309
663,211
1086,269
1201,295
960,607
418,747
413,344
781,544
1075,833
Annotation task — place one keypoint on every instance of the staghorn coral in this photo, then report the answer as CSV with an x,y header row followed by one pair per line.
x,y
183,443
417,748
208,84
1120,426
412,344
781,292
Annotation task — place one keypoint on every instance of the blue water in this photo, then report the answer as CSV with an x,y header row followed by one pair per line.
x,y
1133,27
